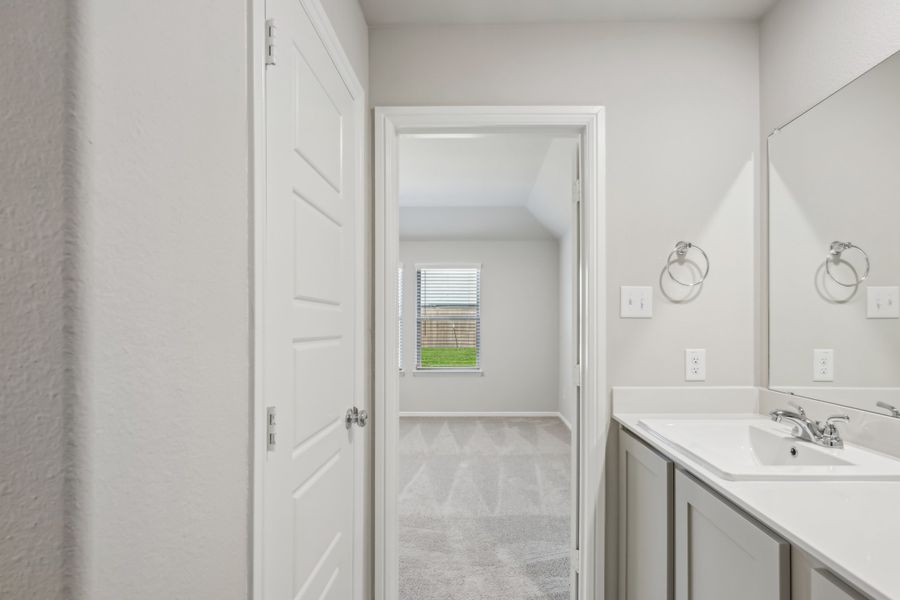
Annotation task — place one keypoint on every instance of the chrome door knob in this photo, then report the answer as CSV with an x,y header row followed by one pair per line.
x,y
356,416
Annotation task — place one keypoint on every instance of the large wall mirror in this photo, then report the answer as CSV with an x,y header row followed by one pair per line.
x,y
834,247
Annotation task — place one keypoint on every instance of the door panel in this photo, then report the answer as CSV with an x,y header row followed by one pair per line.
x,y
308,316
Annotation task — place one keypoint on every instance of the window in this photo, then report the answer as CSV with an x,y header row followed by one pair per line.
x,y
448,318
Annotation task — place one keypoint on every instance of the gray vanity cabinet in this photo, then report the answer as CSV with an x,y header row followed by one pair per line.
x,y
645,522
721,553
825,586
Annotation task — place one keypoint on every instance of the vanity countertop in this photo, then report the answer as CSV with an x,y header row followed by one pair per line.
x,y
852,527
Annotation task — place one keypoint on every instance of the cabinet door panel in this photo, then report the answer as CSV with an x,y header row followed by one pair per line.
x,y
721,553
826,586
646,482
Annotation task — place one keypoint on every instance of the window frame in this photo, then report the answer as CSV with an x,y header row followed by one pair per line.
x,y
477,369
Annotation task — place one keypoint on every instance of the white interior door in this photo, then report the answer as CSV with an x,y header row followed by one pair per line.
x,y
309,344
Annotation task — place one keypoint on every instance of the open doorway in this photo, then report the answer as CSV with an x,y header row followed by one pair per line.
x,y
484,402
486,322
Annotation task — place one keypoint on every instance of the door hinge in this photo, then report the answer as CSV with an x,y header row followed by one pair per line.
x,y
578,375
270,42
576,191
576,560
270,428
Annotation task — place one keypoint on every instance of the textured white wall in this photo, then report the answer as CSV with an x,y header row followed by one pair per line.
x,y
682,126
32,216
808,50
161,290
519,329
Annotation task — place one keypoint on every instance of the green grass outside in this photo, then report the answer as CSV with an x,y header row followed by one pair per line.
x,y
448,357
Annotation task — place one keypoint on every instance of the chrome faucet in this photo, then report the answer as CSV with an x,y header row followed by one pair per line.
x,y
822,434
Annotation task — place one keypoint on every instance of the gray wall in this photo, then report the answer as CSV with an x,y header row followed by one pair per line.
x,y
32,217
682,140
519,329
682,144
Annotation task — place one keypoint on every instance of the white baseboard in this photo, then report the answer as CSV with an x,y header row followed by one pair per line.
x,y
508,414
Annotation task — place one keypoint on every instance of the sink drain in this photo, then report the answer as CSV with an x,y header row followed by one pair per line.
x,y
793,451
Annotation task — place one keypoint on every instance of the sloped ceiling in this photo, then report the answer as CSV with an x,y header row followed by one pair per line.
x,y
494,186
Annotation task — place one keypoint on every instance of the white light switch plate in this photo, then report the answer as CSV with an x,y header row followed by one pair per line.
x,y
695,364
883,302
636,302
823,364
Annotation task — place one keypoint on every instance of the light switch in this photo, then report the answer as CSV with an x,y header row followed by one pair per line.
x,y
883,302
636,302
823,364
695,364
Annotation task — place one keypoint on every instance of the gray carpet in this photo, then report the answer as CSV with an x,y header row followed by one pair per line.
x,y
484,509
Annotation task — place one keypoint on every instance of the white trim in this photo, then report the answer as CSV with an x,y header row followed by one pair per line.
x,y
510,414
593,419
564,420
448,265
446,371
257,143
257,139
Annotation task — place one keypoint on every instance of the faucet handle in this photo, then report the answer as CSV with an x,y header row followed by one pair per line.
x,y
799,408
829,429
895,412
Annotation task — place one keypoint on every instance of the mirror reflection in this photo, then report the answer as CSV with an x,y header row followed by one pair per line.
x,y
834,247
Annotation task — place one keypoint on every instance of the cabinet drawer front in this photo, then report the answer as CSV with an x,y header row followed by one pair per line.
x,y
721,553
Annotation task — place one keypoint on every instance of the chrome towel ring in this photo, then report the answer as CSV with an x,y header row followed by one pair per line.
x,y
835,254
678,254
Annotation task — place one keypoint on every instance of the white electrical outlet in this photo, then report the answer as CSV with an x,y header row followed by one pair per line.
x,y
823,364
883,302
636,302
695,364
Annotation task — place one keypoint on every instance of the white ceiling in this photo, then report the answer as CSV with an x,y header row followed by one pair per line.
x,y
475,12
485,186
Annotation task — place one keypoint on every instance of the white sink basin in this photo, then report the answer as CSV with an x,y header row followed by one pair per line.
x,y
759,449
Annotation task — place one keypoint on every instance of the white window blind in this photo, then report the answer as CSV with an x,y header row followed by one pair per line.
x,y
448,318
400,316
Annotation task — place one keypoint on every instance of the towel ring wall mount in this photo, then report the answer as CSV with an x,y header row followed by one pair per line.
x,y
679,254
835,255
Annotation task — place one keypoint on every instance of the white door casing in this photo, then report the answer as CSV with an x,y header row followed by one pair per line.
x,y
309,321
593,411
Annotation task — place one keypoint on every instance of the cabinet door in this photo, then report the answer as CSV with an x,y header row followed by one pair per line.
x,y
645,522
722,554
826,586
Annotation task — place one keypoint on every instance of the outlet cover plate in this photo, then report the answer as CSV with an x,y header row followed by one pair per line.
x,y
636,302
823,364
695,364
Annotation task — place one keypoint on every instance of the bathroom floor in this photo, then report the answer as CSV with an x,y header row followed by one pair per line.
x,y
484,508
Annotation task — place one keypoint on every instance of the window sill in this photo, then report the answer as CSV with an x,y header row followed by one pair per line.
x,y
430,372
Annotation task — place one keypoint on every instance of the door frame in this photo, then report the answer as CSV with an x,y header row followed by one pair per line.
x,y
257,244
589,123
